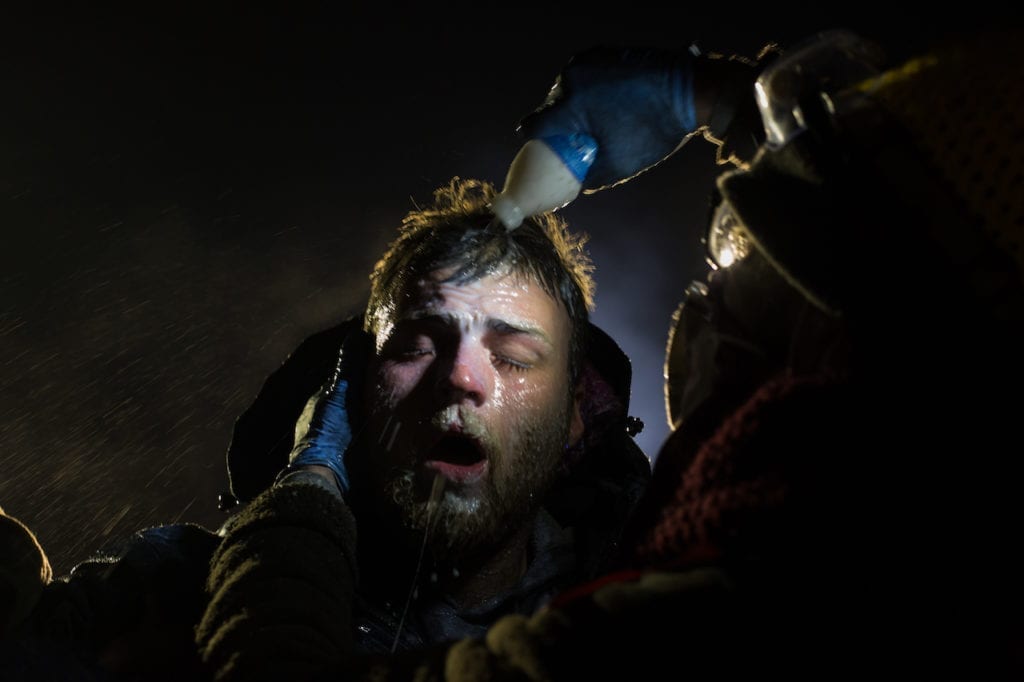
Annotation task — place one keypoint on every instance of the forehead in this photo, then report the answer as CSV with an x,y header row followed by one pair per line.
x,y
507,296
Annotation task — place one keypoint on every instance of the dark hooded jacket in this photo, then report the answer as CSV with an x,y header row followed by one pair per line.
x,y
265,582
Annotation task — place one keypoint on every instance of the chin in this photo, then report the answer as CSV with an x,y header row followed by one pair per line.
x,y
465,522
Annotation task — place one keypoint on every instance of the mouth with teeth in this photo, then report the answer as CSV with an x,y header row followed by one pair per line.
x,y
457,457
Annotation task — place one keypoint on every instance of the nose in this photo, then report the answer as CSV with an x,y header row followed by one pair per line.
x,y
471,376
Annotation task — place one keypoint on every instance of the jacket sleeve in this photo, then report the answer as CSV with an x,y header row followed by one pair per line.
x,y
280,586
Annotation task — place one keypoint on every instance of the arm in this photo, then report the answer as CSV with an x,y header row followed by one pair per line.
x,y
641,104
281,584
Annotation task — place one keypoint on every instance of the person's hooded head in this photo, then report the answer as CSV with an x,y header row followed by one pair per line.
x,y
845,384
879,226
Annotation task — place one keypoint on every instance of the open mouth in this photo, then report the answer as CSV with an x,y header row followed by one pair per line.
x,y
458,458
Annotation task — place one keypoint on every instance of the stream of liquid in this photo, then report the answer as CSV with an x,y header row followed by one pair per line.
x,y
436,490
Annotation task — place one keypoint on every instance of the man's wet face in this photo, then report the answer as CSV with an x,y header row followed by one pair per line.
x,y
471,385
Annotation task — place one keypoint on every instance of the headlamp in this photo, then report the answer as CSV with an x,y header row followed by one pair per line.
x,y
784,203
726,242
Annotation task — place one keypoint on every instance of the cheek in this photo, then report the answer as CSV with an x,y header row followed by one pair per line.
x,y
523,396
396,381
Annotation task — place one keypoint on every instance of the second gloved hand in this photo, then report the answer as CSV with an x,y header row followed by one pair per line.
x,y
637,103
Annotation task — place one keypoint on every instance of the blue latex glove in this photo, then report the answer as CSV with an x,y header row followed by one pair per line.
x,y
324,432
637,103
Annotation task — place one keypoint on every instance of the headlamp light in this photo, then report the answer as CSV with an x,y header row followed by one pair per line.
x,y
726,241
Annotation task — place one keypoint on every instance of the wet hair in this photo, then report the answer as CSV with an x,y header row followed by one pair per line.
x,y
458,231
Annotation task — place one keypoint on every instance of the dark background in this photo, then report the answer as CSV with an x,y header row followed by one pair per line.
x,y
186,196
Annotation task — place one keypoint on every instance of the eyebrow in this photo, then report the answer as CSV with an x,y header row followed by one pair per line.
x,y
508,329
499,326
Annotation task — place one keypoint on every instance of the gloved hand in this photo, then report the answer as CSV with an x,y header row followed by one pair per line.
x,y
324,431
638,103
642,104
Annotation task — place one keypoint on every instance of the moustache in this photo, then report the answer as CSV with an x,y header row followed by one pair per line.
x,y
455,419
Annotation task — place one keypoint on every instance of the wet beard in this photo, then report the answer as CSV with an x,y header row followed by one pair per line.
x,y
473,526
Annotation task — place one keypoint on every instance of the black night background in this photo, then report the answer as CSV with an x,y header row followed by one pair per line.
x,y
186,196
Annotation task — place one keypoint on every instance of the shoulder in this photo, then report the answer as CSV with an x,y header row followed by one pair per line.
x,y
24,571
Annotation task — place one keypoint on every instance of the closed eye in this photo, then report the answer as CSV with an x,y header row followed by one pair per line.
x,y
412,353
408,347
505,362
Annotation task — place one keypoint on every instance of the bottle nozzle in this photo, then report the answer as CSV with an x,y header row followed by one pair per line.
x,y
507,210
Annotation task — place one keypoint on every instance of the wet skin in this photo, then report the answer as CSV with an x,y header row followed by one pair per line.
x,y
471,384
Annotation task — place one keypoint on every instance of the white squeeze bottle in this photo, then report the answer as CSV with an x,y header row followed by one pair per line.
x,y
545,175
